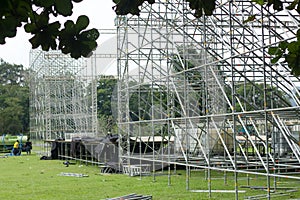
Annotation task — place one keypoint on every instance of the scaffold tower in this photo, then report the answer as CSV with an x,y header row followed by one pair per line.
x,y
63,98
203,93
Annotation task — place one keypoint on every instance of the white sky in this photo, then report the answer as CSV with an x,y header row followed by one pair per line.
x,y
101,15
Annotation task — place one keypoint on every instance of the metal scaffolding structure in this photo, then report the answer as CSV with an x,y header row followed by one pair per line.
x,y
63,98
203,93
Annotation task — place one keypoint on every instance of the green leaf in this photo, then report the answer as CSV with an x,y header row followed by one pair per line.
x,y
249,19
209,6
283,45
41,20
81,23
202,7
22,9
44,3
91,34
277,5
291,60
275,60
260,2
124,7
30,28
75,42
292,5
64,7
296,71
69,24
298,34
8,27
293,47
46,37
273,50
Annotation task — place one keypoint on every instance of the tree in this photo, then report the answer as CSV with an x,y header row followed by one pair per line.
x,y
289,51
35,16
105,88
11,74
251,95
14,107
14,99
148,102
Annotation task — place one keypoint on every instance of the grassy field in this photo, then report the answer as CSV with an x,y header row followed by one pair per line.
x,y
28,177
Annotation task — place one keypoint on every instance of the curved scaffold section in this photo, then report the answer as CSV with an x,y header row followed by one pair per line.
x,y
205,90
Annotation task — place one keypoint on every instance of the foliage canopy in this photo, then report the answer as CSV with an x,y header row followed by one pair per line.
x,y
35,15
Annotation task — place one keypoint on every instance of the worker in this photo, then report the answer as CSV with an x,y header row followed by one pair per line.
x,y
28,146
16,150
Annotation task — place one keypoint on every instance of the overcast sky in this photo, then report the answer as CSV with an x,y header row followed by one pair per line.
x,y
16,50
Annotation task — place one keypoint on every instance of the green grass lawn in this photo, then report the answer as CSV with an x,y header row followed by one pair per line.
x,y
28,177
